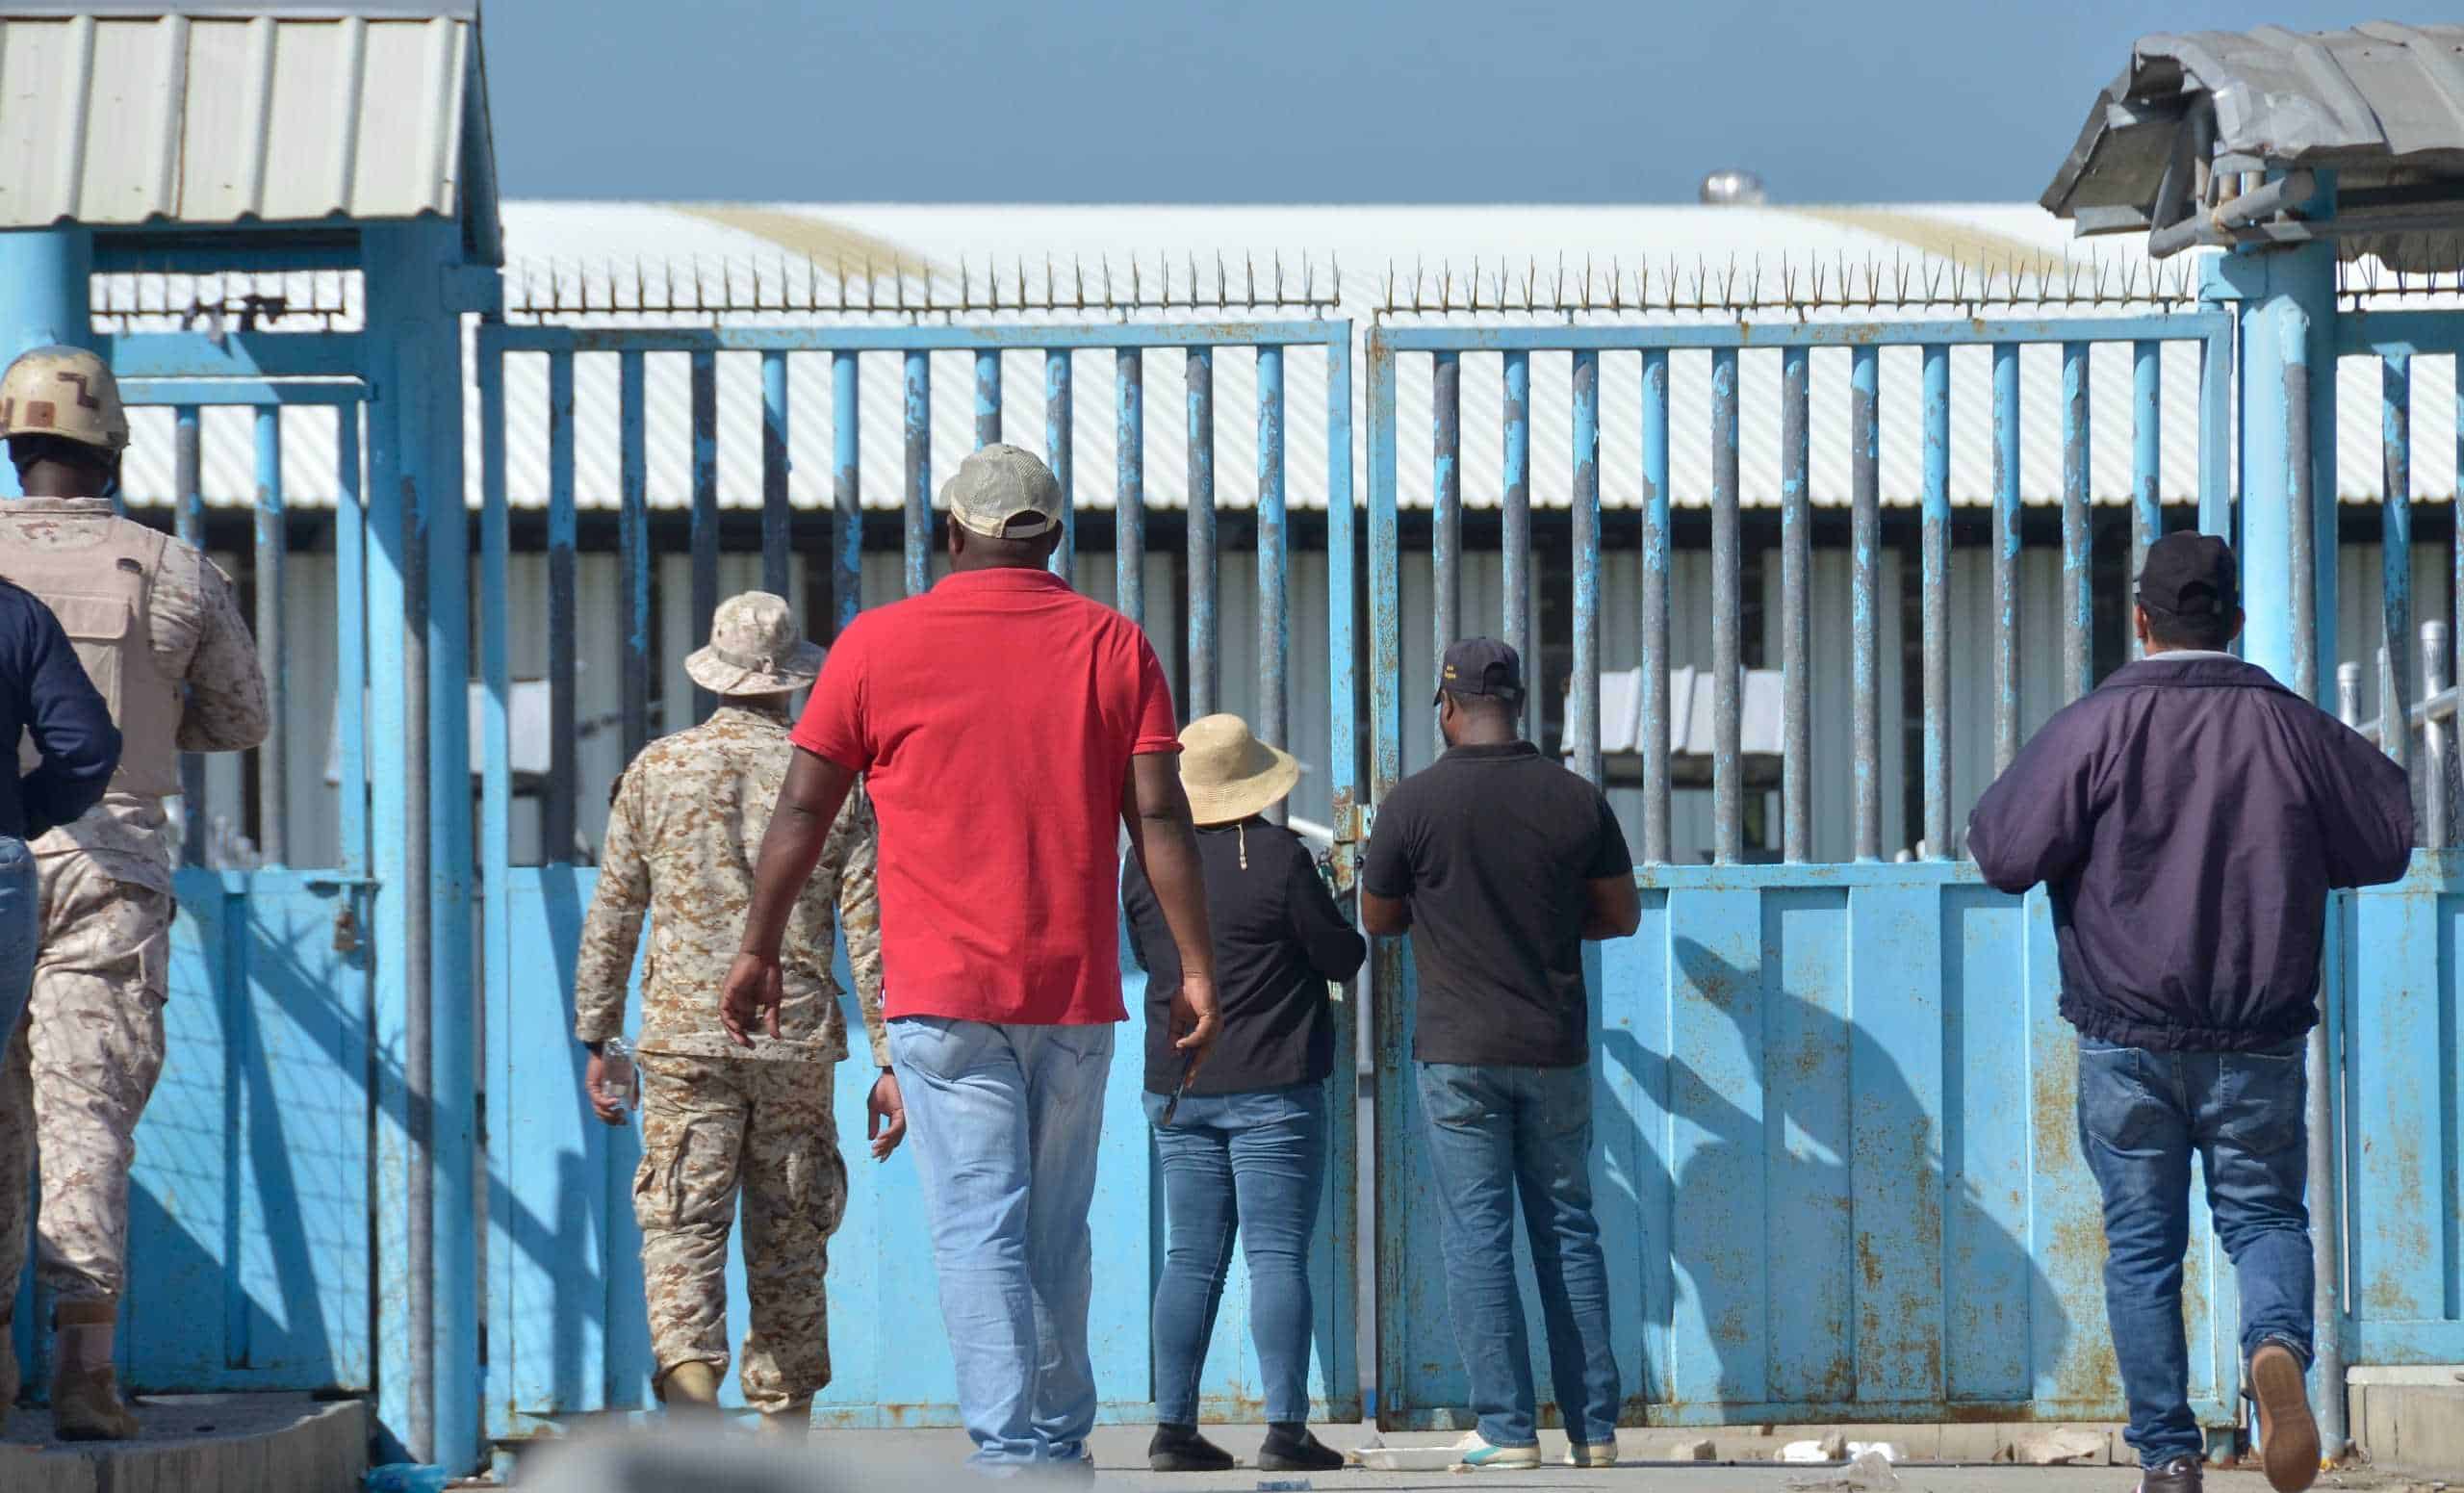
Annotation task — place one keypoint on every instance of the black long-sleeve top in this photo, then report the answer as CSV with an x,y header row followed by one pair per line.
x,y
45,696
1278,939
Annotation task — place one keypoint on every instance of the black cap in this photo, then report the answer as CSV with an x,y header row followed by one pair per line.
x,y
1480,666
2189,575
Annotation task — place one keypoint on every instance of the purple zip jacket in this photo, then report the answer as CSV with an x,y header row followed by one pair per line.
x,y
2188,819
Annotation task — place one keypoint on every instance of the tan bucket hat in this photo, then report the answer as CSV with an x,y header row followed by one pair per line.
x,y
1230,773
754,649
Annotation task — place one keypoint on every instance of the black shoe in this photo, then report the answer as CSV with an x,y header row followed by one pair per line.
x,y
1291,1447
1181,1449
2181,1474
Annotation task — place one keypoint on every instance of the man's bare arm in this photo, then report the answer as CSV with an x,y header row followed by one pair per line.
x,y
799,825
1613,907
1156,814
1384,916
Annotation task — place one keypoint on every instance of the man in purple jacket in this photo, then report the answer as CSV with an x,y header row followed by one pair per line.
x,y
2188,819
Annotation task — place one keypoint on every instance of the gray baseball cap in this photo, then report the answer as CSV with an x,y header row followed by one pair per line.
x,y
1004,492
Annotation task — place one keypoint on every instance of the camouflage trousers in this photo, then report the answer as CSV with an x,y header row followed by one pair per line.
x,y
79,1073
712,1128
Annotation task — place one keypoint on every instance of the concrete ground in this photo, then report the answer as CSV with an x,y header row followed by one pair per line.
x,y
198,1444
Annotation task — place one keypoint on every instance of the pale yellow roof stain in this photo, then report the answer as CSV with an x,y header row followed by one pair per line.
x,y
831,245
1971,248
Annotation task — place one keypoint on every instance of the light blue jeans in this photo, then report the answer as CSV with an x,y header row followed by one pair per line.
x,y
20,932
1004,1122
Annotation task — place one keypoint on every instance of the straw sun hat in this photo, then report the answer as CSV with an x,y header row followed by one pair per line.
x,y
1229,773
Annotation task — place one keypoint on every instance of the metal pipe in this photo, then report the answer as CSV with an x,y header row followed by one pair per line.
x,y
1653,732
2395,550
1343,655
632,535
2236,211
2216,437
1057,444
777,517
1935,539
558,815
2436,748
2301,561
1203,645
2147,461
1583,721
351,651
419,1046
1274,547
274,757
191,518
1129,501
988,396
1446,506
2078,572
1864,607
495,771
705,530
2006,555
1796,588
846,492
1390,1006
1728,774
1515,544
918,490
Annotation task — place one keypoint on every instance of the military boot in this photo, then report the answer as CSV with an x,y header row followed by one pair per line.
x,y
691,1388
84,1392
790,1424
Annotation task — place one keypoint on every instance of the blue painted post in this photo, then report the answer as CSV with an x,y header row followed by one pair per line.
x,y
2147,457
43,300
274,757
1343,1370
919,473
1935,538
1653,731
1203,642
2078,577
988,396
846,493
2216,436
777,517
557,817
1516,542
1796,589
2006,554
1057,443
1728,621
2396,556
706,512
1390,1000
496,779
1865,600
1274,547
634,545
1583,717
1129,501
350,648
187,487
1446,506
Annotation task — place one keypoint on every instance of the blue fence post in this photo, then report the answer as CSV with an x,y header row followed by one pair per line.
x,y
42,299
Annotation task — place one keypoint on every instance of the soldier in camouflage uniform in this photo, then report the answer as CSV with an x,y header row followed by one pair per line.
x,y
155,624
681,836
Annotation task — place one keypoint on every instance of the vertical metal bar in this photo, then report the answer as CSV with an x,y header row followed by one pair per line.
x,y
1864,604
350,648
2435,738
1342,1157
1583,721
187,487
418,910
633,542
1728,621
706,511
919,473
1796,587
2146,458
274,758
1129,477
2396,554
1936,541
2216,435
1446,506
2348,693
1275,549
1057,444
1390,1000
496,772
846,492
1516,543
558,815
988,396
777,516
2301,561
2006,554
2078,590
1653,729
1203,642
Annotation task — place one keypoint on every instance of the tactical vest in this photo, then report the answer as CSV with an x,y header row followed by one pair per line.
x,y
103,595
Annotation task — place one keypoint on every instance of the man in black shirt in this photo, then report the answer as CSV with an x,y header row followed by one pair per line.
x,y
1499,862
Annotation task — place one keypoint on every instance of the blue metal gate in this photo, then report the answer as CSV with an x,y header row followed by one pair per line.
x,y
566,1331
1835,1167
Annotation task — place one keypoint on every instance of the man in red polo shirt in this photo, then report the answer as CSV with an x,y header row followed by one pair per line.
x,y
1005,728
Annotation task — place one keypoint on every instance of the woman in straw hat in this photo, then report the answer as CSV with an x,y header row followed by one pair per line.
x,y
1244,1140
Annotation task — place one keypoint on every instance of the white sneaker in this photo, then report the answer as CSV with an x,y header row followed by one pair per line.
x,y
1477,1452
1592,1454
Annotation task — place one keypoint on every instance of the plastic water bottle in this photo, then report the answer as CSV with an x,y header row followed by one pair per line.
x,y
616,1073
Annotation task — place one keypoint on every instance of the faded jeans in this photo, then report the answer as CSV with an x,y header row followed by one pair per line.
x,y
1252,1162
1004,1122
2141,1116
1496,1134
20,932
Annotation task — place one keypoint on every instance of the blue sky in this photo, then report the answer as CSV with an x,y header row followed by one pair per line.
x,y
1311,101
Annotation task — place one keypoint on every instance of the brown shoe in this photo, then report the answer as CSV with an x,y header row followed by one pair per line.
x,y
2288,1436
790,1424
692,1386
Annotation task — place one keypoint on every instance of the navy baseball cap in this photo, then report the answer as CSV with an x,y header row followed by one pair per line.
x,y
2189,575
1480,666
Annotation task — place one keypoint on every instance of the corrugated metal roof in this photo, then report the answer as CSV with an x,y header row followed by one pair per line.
x,y
294,114
1366,242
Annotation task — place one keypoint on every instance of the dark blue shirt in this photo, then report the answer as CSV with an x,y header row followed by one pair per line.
x,y
44,694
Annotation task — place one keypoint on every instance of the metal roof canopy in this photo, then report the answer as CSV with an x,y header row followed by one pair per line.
x,y
2169,144
308,113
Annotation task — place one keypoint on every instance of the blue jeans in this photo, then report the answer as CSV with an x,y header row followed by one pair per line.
x,y
1497,1133
20,932
1254,1163
1004,1120
2141,1116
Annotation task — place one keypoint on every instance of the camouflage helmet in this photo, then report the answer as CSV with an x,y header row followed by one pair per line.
x,y
63,392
